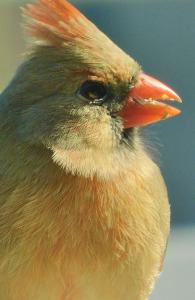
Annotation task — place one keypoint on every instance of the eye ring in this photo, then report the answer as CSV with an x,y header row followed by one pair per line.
x,y
95,92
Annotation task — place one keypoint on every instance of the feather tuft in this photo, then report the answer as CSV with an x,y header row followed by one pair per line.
x,y
56,21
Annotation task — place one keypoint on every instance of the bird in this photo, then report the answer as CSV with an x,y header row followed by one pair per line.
x,y
84,210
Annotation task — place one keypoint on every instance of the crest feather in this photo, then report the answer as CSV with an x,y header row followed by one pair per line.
x,y
56,21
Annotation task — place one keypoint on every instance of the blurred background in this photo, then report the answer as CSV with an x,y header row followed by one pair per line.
x,y
160,34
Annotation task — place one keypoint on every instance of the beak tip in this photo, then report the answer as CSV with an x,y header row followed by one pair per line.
x,y
171,97
180,100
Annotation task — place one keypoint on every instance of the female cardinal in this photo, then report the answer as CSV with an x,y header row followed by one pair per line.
x,y
83,209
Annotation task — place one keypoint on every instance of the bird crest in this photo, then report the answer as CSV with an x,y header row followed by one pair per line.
x,y
57,22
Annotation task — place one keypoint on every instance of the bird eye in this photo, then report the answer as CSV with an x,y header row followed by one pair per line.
x,y
95,92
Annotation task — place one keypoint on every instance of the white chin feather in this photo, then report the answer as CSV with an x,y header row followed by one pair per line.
x,y
90,162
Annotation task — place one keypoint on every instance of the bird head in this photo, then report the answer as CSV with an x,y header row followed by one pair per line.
x,y
79,95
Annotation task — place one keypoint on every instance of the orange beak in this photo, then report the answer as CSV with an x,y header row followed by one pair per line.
x,y
143,105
